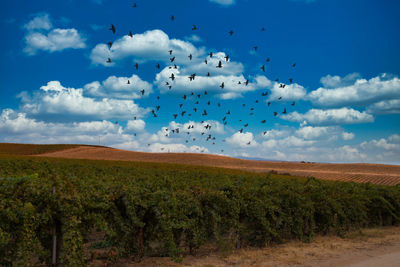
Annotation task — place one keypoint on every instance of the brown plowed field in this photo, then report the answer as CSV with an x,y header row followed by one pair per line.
x,y
360,172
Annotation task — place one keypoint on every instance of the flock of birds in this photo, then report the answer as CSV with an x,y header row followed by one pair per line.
x,y
197,106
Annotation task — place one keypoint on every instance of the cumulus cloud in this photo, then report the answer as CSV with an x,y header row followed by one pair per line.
x,y
40,22
329,117
17,127
385,107
135,125
175,148
223,2
289,92
232,88
119,87
40,38
341,92
242,140
56,102
150,46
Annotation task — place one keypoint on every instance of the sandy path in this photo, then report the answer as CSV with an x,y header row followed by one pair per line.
x,y
360,172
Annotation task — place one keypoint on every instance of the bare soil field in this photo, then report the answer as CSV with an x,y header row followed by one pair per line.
x,y
355,172
369,247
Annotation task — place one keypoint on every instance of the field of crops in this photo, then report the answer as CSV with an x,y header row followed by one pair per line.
x,y
29,149
169,209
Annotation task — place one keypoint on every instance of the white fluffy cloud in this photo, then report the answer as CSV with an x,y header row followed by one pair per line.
x,y
118,87
385,107
56,102
362,92
50,41
223,2
135,125
232,89
40,22
329,117
290,92
242,140
150,46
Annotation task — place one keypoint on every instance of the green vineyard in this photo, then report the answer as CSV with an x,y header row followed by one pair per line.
x,y
169,210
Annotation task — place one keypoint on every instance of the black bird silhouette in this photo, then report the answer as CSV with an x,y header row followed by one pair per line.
x,y
136,66
204,113
246,125
264,94
109,44
277,80
183,113
269,104
263,68
292,103
130,34
172,59
222,85
264,121
172,77
262,29
208,74
227,58
128,82
275,113
205,92
230,32
284,111
249,143
291,80
158,66
247,82
142,92
228,113
184,97
158,97
194,28
190,56
282,85
109,60
219,64
268,59
255,48
279,98
211,54
294,64
172,17
241,130
112,28
134,5
205,61
180,105
170,52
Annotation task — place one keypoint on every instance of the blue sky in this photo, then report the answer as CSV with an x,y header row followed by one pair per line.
x,y
56,86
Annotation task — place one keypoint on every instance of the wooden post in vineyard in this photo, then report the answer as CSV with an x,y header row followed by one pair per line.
x,y
54,233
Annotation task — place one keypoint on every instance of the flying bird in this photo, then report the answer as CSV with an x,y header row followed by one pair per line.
x,y
142,92
263,68
172,17
158,66
222,85
194,28
109,60
109,44
230,32
136,66
112,28
219,64
170,52
130,34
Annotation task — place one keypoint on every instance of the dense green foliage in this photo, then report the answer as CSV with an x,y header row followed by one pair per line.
x,y
166,209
